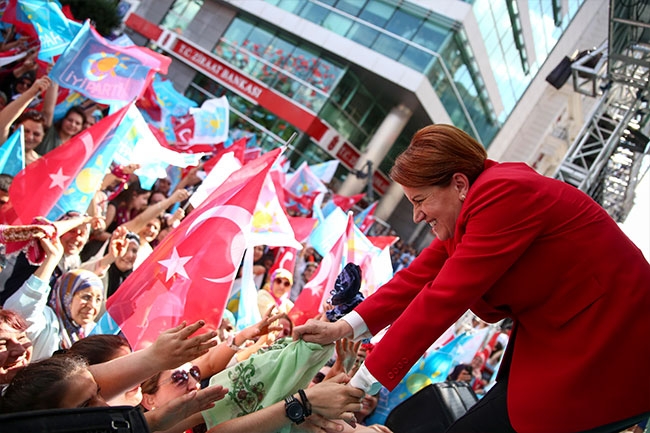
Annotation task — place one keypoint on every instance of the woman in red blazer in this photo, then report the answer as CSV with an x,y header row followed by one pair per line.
x,y
512,243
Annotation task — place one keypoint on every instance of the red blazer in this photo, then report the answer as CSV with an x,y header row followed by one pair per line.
x,y
545,254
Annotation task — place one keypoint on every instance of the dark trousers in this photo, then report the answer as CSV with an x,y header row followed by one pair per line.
x,y
488,415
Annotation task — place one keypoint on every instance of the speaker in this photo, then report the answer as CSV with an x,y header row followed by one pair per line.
x,y
117,419
432,409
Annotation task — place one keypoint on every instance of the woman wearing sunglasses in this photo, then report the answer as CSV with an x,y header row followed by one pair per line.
x,y
276,292
166,385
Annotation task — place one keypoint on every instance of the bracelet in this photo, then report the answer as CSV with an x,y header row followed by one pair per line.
x,y
231,344
305,403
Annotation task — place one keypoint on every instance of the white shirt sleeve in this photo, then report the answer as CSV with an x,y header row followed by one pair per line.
x,y
365,381
359,327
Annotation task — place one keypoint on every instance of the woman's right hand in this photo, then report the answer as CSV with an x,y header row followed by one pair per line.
x,y
315,331
42,84
175,347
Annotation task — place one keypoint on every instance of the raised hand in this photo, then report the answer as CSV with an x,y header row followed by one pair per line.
x,y
175,347
180,408
315,331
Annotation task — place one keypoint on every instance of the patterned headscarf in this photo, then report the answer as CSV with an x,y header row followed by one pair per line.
x,y
64,290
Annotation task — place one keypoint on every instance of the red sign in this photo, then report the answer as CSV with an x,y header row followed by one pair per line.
x,y
380,182
146,28
348,155
220,70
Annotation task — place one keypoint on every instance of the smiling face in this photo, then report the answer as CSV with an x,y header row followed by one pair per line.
x,y
74,240
150,231
85,305
72,124
15,352
439,206
33,132
125,262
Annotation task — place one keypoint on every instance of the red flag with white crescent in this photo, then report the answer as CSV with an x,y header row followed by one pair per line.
x,y
189,275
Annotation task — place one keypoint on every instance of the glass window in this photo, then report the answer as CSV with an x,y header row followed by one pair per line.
x,y
403,24
389,46
359,104
294,6
238,31
337,23
301,62
344,89
314,13
363,35
416,58
350,6
373,119
325,74
377,13
258,40
181,14
279,51
431,36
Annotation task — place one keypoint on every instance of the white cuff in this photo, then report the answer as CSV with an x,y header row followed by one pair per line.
x,y
365,381
359,327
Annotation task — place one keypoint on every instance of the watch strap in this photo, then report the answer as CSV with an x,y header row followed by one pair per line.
x,y
305,403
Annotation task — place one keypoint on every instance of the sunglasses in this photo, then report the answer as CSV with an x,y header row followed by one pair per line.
x,y
282,281
180,377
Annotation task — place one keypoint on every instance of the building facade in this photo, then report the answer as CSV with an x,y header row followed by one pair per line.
x,y
356,78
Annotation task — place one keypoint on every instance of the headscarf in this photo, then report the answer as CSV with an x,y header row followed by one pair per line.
x,y
345,295
64,290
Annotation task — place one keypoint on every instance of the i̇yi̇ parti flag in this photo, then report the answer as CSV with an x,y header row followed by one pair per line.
x,y
104,72
325,170
78,195
54,30
36,189
189,275
207,125
12,153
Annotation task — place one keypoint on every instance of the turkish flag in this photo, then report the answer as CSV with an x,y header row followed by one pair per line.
x,y
189,275
310,301
285,258
346,203
302,227
148,102
36,189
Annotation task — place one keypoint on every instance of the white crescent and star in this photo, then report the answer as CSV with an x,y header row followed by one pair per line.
x,y
241,218
58,179
175,265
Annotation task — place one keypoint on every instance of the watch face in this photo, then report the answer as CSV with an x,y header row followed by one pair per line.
x,y
294,411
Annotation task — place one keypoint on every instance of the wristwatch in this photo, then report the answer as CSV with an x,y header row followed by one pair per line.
x,y
294,409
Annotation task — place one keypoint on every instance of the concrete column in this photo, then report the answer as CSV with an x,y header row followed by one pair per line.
x,y
389,201
378,147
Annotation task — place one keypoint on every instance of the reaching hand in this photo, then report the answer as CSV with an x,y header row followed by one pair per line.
x,y
180,408
262,327
346,354
174,347
333,399
53,248
315,331
117,245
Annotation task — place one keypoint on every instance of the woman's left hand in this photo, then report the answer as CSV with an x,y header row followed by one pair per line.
x,y
334,399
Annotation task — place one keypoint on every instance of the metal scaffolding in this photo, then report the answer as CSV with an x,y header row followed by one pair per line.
x,y
605,159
